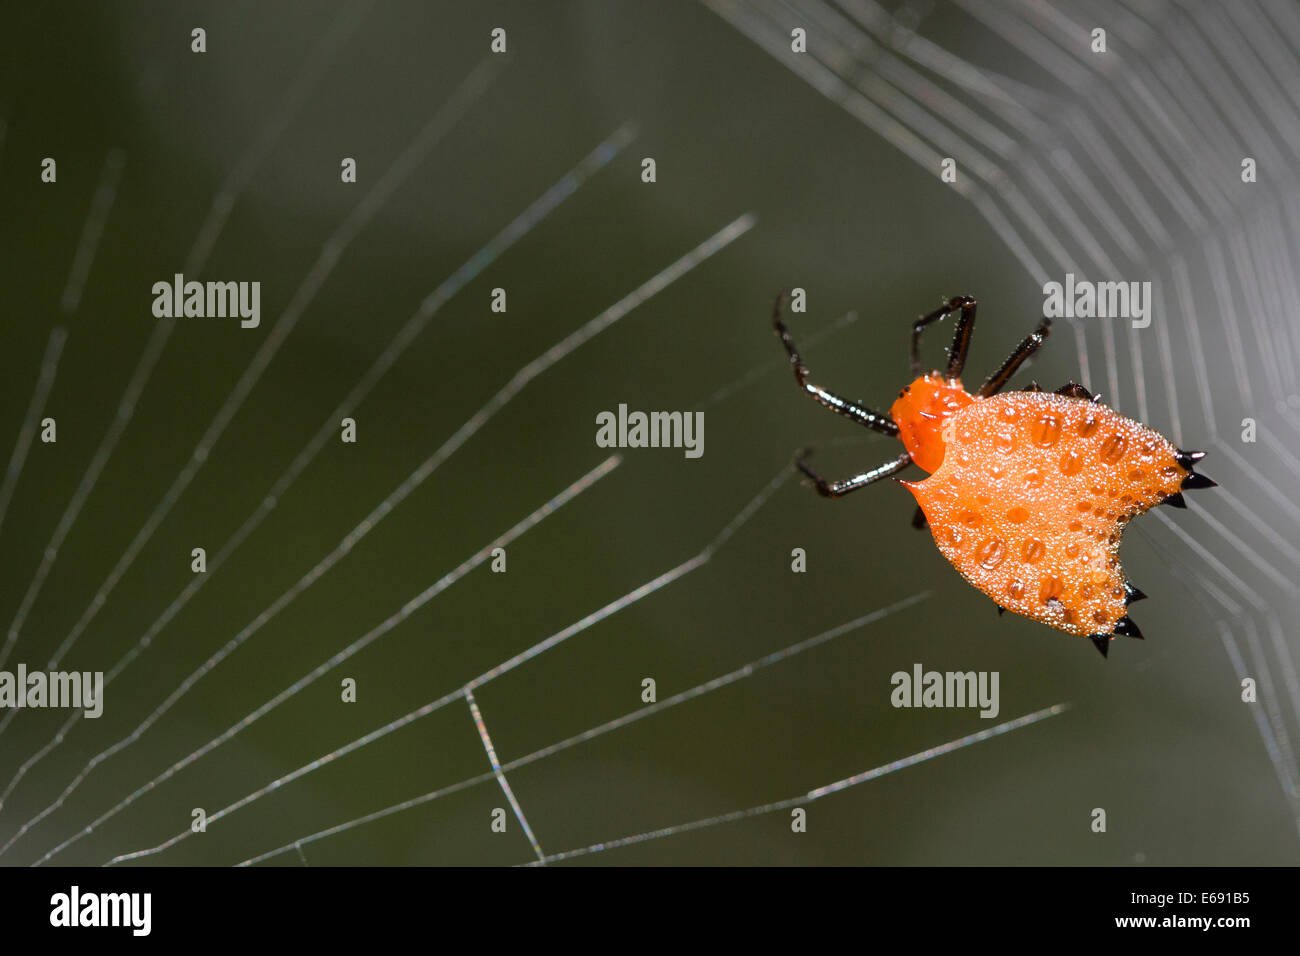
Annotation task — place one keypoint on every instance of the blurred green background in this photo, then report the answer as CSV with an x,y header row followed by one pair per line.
x,y
1156,735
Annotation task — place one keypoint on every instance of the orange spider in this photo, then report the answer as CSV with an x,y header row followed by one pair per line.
x,y
1029,491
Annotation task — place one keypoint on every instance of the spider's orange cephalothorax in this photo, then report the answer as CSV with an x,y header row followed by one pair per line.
x,y
920,412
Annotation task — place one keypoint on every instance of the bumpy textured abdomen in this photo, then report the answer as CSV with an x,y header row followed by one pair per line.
x,y
1032,499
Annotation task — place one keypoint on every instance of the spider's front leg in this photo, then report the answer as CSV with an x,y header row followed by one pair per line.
x,y
960,338
854,411
835,489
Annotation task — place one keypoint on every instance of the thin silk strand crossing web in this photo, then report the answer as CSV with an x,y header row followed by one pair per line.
x,y
500,775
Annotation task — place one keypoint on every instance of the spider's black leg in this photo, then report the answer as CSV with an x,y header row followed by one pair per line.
x,y
870,418
1030,344
961,335
834,489
1075,390
918,519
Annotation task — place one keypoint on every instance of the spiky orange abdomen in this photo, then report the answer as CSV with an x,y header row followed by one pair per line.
x,y
921,411
1032,497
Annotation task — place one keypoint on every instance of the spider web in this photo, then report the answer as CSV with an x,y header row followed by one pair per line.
x,y
1125,166
1123,171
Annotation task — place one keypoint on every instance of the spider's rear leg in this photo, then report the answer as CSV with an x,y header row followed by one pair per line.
x,y
1075,390
918,519
835,489
854,411
1030,344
